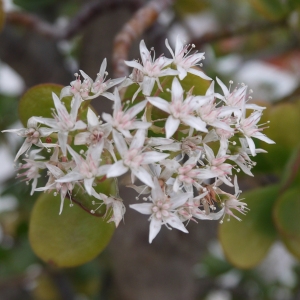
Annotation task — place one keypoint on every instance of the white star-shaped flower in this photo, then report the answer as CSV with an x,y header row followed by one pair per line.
x,y
86,169
33,134
150,70
180,109
89,89
185,61
134,158
63,121
162,210
125,120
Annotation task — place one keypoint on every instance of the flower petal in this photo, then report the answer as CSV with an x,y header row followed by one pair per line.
x,y
92,118
169,47
134,64
120,143
196,123
198,73
155,226
179,199
160,103
177,91
70,177
143,208
175,222
145,54
134,110
143,176
223,87
138,140
153,156
148,84
171,126
88,184
117,169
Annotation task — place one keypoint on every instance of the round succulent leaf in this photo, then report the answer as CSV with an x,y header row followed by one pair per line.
x,y
290,176
282,118
287,212
70,239
38,101
293,245
271,9
247,242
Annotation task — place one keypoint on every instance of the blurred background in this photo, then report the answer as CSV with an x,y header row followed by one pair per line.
x,y
251,41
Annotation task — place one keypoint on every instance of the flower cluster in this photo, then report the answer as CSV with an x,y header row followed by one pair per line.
x,y
180,145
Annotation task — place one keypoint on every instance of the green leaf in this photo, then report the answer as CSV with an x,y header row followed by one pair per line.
x,y
283,118
291,174
2,15
294,4
286,218
33,4
293,245
38,101
247,242
8,110
70,239
183,7
271,9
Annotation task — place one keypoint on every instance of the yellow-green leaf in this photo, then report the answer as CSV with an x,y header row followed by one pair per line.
x,y
2,15
247,242
271,9
183,7
293,245
38,101
285,131
290,176
70,239
286,218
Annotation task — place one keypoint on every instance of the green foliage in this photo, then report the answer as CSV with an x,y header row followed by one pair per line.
x,y
183,7
282,118
2,16
33,4
286,217
294,4
274,211
70,239
246,243
290,177
271,9
38,101
8,109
